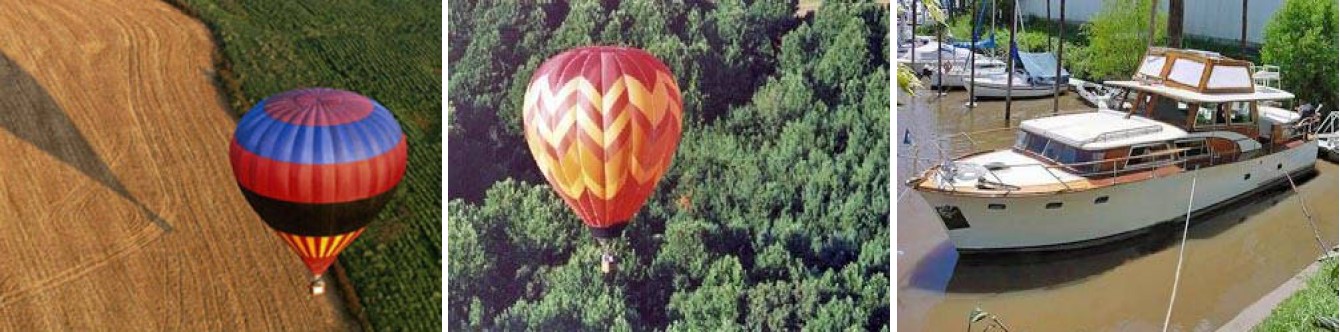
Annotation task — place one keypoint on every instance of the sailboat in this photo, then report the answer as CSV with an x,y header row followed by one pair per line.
x,y
951,64
1034,77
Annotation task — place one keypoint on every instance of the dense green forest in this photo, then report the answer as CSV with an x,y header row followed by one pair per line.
x,y
389,51
773,215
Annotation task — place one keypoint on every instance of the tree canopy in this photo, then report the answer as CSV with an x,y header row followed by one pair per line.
x,y
773,215
1301,39
1118,37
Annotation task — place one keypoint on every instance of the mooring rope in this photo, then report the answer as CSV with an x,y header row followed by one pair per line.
x,y
1315,234
1181,253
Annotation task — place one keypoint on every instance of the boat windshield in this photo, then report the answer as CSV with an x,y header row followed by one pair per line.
x,y
1056,151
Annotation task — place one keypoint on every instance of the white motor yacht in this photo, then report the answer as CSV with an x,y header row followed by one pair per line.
x,y
1077,180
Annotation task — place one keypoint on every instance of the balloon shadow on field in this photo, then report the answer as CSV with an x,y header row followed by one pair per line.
x,y
29,112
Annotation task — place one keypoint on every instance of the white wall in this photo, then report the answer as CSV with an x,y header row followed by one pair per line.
x,y
1219,19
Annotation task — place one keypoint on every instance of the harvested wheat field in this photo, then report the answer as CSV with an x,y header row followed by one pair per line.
x,y
117,206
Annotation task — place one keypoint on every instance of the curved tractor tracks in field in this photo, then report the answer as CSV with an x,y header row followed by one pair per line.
x,y
117,205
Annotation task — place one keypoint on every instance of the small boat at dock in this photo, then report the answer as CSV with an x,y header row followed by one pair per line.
x,y
1035,76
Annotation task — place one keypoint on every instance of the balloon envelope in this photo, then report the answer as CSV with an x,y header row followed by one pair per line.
x,y
602,124
317,165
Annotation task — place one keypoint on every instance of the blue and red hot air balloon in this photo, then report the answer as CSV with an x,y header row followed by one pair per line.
x,y
317,165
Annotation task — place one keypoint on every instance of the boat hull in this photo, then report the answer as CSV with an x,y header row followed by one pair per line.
x,y
958,78
997,90
1026,224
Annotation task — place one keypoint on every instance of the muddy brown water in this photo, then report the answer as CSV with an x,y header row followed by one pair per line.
x,y
1233,256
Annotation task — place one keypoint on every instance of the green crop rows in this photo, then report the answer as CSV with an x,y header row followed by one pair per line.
x,y
389,51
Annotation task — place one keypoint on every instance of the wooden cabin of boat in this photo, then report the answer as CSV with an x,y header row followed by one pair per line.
x,y
1200,91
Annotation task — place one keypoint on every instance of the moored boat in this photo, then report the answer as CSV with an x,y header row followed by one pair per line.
x,y
1082,179
1035,76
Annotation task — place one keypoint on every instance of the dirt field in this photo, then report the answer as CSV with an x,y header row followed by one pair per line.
x,y
117,206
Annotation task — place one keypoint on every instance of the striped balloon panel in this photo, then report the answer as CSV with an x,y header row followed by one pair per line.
x,y
318,252
602,124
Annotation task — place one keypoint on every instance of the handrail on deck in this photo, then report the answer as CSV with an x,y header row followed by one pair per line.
x,y
1114,172
1125,133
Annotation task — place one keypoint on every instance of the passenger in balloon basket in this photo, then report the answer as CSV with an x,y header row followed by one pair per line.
x,y
317,165
603,123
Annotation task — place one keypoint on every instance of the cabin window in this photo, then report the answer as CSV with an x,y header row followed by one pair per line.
x,y
1100,200
1059,152
1029,142
995,206
1141,102
1210,114
1069,155
1241,113
1053,205
1146,155
1170,111
1193,148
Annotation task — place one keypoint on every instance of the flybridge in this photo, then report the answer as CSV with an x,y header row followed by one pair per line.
x,y
1199,77
1195,70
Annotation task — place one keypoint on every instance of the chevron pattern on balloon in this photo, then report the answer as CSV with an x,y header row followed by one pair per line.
x,y
603,146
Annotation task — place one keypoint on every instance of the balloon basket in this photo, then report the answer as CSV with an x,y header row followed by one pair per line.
x,y
607,263
318,286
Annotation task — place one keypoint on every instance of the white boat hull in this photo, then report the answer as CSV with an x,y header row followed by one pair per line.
x,y
1025,224
997,89
958,78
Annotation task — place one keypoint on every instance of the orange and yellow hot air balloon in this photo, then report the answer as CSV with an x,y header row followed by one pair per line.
x,y
603,123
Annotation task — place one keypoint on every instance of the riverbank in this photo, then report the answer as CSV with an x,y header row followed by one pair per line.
x,y
1294,305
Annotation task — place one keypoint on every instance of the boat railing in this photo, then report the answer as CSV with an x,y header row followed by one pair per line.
x,y
1116,169
1126,133
1328,125
1266,75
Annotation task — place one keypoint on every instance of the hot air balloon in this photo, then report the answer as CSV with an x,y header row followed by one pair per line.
x,y
317,165
602,124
